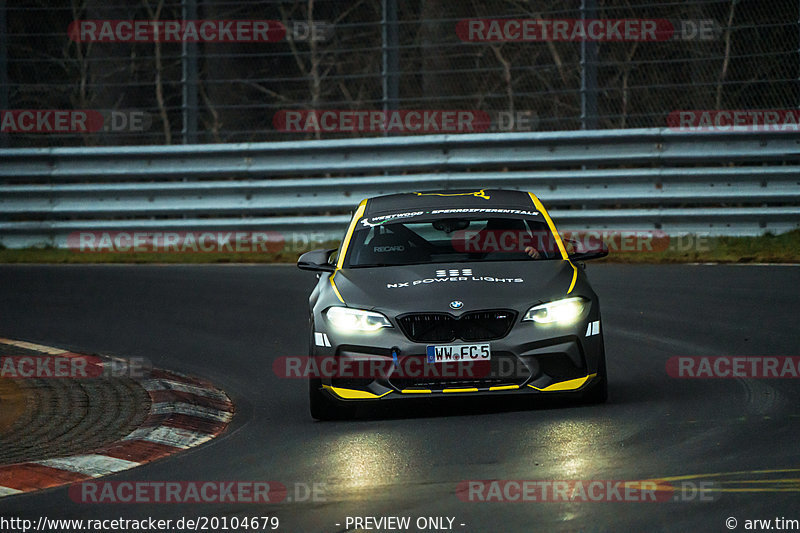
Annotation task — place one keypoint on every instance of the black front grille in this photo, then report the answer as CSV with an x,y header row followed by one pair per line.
x,y
444,327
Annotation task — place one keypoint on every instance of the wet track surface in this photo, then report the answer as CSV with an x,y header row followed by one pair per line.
x,y
228,323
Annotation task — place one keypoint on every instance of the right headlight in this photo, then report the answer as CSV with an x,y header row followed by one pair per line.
x,y
564,311
356,320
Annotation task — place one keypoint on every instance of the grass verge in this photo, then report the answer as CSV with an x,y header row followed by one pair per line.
x,y
783,248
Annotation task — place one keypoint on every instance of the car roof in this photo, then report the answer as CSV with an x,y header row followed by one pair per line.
x,y
448,199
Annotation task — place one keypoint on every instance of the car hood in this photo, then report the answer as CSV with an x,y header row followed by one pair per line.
x,y
432,287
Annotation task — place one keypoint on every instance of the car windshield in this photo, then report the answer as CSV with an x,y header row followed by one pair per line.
x,y
450,240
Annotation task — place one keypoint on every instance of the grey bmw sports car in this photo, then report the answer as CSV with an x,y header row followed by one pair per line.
x,y
452,293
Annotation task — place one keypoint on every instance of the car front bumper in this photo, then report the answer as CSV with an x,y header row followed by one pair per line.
x,y
533,358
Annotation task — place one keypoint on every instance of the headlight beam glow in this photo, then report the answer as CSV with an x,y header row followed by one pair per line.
x,y
564,312
356,320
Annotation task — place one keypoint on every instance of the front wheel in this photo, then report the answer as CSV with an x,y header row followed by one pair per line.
x,y
322,407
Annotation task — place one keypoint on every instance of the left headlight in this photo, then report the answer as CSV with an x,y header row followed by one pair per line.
x,y
348,319
564,311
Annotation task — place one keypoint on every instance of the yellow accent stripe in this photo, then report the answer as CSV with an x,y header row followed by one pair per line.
x,y
762,481
346,243
479,194
557,237
505,387
336,290
416,391
461,390
742,481
550,224
754,490
574,277
724,474
571,384
351,394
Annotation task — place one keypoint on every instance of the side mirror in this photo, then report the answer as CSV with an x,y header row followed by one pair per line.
x,y
586,255
316,261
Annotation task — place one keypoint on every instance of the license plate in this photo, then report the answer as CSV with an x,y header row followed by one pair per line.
x,y
447,353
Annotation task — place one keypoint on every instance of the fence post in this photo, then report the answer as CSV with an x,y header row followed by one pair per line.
x,y
189,78
391,51
589,58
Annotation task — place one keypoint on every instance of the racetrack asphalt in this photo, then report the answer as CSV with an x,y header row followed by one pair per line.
x,y
228,323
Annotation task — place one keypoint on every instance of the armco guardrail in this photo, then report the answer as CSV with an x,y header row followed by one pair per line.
x,y
734,183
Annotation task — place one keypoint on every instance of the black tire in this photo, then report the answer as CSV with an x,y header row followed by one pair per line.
x,y
322,407
598,393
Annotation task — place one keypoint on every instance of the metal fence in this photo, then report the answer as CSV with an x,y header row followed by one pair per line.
x,y
740,183
385,54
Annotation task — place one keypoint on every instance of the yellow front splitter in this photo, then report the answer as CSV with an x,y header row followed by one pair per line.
x,y
572,384
353,394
